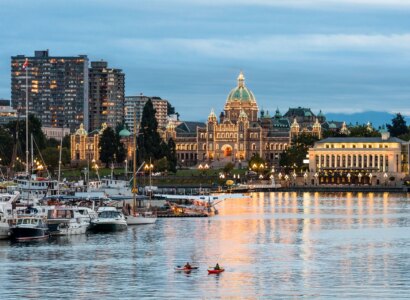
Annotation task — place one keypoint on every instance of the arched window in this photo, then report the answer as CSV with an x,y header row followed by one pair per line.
x,y
253,146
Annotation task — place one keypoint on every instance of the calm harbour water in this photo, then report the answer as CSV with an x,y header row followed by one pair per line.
x,y
274,245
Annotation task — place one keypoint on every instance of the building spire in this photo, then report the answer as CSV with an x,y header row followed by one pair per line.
x,y
241,79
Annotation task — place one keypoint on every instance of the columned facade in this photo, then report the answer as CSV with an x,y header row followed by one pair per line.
x,y
364,160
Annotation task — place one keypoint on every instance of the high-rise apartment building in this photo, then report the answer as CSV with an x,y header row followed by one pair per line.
x,y
106,95
136,104
57,88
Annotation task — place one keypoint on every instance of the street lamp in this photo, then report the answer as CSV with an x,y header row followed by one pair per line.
x,y
370,178
360,176
305,177
348,177
385,178
316,178
294,177
286,178
126,168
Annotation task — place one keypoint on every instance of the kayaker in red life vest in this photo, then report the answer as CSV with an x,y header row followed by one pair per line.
x,y
187,266
217,267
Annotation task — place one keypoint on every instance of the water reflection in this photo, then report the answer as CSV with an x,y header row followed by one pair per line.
x,y
282,245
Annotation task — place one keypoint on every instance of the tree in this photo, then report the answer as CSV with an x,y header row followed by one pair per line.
x,y
51,156
398,126
362,131
228,168
172,156
6,146
293,157
256,162
108,146
161,165
149,141
34,126
67,141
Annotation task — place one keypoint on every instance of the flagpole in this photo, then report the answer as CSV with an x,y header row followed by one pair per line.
x,y
27,151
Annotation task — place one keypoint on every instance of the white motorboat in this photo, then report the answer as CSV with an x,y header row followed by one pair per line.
x,y
109,219
6,205
4,227
141,218
67,221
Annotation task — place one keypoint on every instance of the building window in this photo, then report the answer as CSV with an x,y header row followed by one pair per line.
x,y
253,147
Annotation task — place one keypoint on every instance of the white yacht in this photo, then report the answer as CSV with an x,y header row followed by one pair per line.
x,y
109,219
67,221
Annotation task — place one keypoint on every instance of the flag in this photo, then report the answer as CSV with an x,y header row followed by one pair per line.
x,y
25,65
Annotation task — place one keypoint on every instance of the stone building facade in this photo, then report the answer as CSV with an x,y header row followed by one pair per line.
x,y
240,133
358,160
85,146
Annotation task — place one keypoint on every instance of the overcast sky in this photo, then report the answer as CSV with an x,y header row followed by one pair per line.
x,y
338,56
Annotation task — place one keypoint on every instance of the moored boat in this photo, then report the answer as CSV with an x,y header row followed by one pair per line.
x,y
29,229
141,218
108,220
67,221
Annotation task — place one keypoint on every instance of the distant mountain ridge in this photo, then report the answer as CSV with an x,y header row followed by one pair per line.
x,y
377,118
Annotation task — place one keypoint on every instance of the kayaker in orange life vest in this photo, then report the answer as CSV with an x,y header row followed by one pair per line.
x,y
187,266
217,267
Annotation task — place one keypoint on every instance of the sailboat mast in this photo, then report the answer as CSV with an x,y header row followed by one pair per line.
x,y
134,163
59,161
27,151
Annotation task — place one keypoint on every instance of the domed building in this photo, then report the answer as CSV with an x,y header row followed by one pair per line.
x,y
84,145
238,135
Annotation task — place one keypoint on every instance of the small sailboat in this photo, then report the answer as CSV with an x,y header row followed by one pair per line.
x,y
136,218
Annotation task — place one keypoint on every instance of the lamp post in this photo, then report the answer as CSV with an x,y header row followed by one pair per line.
x,y
360,177
294,177
348,177
385,179
148,167
316,178
126,169
287,179
370,178
305,176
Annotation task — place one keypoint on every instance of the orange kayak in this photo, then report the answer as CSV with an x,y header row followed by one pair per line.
x,y
213,271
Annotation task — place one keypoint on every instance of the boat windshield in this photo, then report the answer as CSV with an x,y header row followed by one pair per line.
x,y
27,222
60,214
109,214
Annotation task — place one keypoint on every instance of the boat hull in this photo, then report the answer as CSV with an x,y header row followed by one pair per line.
x,y
57,230
4,231
29,234
140,220
108,227
215,271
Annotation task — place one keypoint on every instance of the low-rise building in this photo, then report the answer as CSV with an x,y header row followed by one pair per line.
x,y
85,146
358,160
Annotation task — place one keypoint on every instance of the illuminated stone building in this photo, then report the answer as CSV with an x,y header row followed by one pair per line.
x,y
358,160
57,88
240,133
85,146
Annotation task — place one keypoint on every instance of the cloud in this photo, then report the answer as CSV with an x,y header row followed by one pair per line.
x,y
274,46
320,4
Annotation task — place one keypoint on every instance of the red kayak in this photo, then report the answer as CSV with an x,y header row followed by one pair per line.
x,y
213,271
